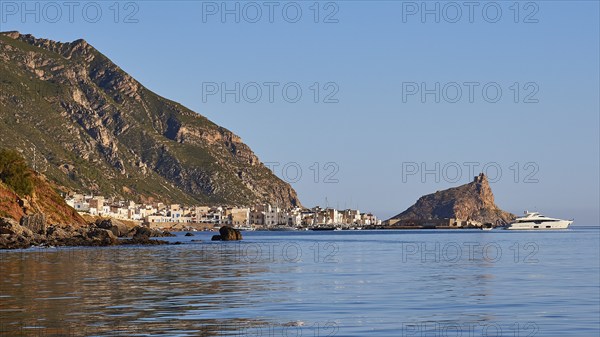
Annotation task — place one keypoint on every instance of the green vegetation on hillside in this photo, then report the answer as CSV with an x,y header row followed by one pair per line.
x,y
15,173
94,129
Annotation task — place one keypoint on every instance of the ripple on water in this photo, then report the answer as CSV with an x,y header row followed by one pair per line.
x,y
368,289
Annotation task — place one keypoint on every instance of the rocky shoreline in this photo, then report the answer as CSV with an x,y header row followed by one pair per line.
x,y
33,231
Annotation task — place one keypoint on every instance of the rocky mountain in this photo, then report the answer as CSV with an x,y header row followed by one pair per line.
x,y
472,201
89,126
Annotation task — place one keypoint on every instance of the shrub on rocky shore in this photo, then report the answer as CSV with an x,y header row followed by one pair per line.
x,y
14,172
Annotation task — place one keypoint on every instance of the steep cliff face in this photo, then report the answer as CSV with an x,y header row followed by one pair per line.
x,y
472,201
96,129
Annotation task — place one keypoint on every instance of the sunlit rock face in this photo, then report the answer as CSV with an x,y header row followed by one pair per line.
x,y
472,201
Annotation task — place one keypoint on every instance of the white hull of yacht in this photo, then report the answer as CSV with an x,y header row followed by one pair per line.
x,y
532,225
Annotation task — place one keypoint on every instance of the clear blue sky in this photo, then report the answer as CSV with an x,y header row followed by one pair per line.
x,y
373,54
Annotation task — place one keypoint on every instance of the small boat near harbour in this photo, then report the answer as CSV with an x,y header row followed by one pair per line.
x,y
323,228
280,228
537,221
245,228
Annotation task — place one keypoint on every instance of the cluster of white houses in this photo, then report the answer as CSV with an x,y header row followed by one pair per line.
x,y
257,216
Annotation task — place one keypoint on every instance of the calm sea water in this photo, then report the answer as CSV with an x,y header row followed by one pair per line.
x,y
342,283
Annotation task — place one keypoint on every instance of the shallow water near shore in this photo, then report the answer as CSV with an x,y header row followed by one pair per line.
x,y
342,283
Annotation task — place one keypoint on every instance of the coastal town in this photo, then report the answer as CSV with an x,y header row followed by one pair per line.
x,y
259,217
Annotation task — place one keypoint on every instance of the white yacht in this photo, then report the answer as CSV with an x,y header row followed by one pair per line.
x,y
534,220
245,228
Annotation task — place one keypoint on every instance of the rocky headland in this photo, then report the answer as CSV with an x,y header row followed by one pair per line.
x,y
470,202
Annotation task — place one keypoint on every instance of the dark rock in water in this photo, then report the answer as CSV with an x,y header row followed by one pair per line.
x,y
118,228
216,238
35,223
142,233
230,234
68,236
189,234
54,232
163,234
102,236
